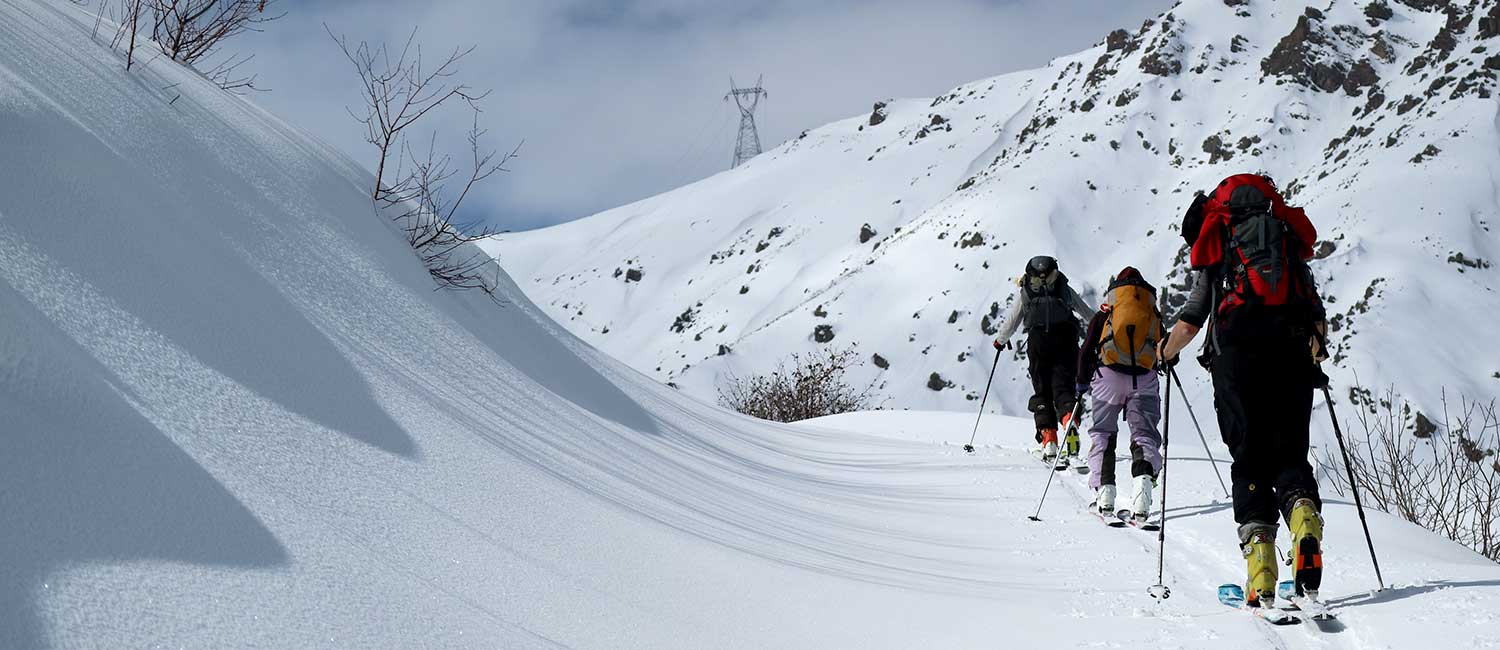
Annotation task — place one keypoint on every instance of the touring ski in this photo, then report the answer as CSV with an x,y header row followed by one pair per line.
x,y
1142,522
1234,596
1308,603
1108,519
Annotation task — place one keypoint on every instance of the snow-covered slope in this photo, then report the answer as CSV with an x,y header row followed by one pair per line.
x,y
1377,116
235,414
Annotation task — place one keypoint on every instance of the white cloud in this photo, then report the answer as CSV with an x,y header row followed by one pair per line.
x,y
620,100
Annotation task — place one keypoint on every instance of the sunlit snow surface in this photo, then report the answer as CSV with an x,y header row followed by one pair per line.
x,y
235,414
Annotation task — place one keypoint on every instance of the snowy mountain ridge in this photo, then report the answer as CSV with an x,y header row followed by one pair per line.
x,y
899,232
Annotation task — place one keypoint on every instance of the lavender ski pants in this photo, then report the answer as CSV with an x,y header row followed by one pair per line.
x,y
1114,394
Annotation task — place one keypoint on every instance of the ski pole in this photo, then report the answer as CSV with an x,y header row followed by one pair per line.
x,y
970,447
1194,416
1072,427
1160,591
1353,487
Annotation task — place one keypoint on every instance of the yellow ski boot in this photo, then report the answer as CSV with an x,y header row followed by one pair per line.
x,y
1306,526
1260,564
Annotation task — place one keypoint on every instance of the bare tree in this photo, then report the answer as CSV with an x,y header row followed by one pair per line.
x,y
813,387
396,95
188,31
130,20
411,188
1444,478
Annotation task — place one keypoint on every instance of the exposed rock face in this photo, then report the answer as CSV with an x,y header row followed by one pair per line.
x,y
936,382
1378,12
1314,55
866,233
823,333
878,114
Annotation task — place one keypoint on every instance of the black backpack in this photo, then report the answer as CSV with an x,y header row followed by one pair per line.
x,y
1047,294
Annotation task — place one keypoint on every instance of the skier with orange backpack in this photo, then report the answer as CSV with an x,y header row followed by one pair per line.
x,y
1255,292
1117,368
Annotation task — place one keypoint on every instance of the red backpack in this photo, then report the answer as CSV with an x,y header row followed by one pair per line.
x,y
1262,244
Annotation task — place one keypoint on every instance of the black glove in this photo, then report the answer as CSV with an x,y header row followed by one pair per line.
x,y
1005,345
1319,378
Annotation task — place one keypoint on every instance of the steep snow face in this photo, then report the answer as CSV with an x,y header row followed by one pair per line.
x,y
899,233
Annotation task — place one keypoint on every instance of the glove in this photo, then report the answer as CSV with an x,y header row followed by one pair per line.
x,y
1316,342
1320,378
999,345
1081,389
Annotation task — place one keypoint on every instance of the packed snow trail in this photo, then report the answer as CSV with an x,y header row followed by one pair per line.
x,y
237,415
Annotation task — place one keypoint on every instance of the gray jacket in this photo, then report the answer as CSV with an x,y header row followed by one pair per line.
x,y
1017,314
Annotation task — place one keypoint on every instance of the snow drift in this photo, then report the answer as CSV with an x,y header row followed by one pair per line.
x,y
236,414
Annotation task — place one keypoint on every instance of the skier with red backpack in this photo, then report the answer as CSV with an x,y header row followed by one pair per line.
x,y
1045,310
1117,368
1254,291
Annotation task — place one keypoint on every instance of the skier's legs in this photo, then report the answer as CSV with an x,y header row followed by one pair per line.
x,y
1064,345
1143,413
1043,409
1240,404
1294,479
1102,436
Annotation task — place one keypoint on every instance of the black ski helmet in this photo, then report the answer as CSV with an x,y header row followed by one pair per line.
x,y
1040,266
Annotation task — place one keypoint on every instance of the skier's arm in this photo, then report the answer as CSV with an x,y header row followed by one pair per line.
x,y
1192,317
1088,353
1012,319
1200,300
1181,335
1076,302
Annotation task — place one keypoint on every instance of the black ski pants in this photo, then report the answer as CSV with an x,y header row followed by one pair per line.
x,y
1053,353
1263,392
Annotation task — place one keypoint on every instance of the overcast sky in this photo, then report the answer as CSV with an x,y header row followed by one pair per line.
x,y
618,100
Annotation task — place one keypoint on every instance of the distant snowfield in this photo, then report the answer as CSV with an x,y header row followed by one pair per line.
x,y
237,415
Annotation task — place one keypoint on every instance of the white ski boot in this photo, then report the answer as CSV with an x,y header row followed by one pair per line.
x,y
1049,450
1106,499
1141,504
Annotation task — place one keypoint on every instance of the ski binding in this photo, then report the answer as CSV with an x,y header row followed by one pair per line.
x,y
1233,595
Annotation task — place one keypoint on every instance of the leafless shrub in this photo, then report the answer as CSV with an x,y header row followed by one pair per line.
x,y
396,94
188,31
130,19
813,387
1448,483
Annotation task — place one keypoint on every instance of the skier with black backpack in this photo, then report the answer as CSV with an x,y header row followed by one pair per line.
x,y
1266,321
1117,368
1045,311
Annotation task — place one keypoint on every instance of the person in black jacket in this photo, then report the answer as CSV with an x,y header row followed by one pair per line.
x,y
1254,292
1045,311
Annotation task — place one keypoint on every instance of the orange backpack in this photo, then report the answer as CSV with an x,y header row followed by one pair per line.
x,y
1133,325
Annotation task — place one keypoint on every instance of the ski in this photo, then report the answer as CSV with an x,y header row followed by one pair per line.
x,y
1308,604
1078,464
1233,595
1054,462
1142,522
1109,520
